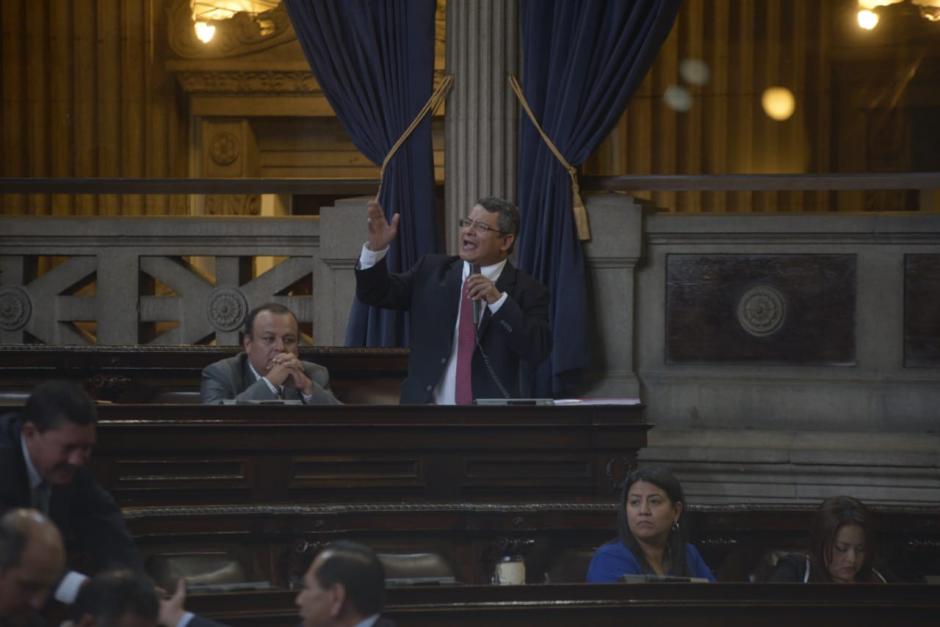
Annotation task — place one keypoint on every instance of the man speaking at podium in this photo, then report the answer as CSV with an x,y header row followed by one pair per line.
x,y
474,318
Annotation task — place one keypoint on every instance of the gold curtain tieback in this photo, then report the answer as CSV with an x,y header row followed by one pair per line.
x,y
429,107
577,204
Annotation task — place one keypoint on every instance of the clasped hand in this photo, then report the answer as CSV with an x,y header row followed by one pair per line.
x,y
286,370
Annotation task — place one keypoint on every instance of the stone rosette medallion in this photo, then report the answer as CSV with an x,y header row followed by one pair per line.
x,y
762,310
15,308
224,148
227,308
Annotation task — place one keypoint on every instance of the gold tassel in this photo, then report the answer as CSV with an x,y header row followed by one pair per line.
x,y
578,208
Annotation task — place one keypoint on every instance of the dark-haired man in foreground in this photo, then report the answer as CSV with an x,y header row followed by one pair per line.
x,y
43,464
124,598
270,367
344,587
119,598
446,365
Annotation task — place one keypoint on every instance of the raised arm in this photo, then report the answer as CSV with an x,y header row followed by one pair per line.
x,y
381,232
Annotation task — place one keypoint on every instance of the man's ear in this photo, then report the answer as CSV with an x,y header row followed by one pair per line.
x,y
29,430
507,242
246,339
337,599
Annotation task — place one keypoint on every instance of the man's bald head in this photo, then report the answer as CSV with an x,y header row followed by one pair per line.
x,y
32,558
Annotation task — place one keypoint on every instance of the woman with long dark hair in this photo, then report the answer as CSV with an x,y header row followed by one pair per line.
x,y
652,536
841,547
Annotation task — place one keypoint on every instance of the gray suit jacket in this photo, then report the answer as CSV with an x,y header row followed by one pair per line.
x,y
232,379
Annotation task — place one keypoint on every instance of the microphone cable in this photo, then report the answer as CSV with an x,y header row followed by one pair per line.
x,y
478,311
486,362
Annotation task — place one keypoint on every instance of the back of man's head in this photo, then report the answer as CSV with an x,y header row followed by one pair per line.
x,y
114,599
54,402
32,558
359,570
12,541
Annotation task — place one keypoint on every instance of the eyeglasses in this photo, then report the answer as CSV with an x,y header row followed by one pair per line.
x,y
479,227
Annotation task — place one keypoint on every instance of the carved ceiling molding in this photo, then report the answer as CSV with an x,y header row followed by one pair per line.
x,y
246,82
234,37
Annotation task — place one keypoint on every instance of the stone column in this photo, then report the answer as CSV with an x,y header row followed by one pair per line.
x,y
480,132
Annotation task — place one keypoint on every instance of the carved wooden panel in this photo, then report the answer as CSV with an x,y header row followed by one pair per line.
x,y
786,309
342,476
183,475
922,311
559,475
334,454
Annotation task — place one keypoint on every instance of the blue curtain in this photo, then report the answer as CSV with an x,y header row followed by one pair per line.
x,y
374,60
582,59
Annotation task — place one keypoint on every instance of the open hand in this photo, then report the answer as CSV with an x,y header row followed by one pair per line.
x,y
381,232
171,609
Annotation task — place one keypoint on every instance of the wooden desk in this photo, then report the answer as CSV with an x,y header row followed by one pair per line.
x,y
250,454
144,374
650,605
275,542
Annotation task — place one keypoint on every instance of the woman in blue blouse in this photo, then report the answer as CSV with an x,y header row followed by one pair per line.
x,y
652,538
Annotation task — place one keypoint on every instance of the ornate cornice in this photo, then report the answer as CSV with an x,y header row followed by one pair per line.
x,y
242,82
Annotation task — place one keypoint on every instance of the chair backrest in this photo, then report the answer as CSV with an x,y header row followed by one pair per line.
x,y
570,566
198,569
177,397
405,568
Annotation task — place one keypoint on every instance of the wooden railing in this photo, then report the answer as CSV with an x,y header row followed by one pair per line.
x,y
862,181
677,605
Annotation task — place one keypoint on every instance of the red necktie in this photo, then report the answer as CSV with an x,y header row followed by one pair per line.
x,y
466,342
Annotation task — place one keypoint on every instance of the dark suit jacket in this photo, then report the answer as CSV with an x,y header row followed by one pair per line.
x,y
232,379
199,621
87,516
518,332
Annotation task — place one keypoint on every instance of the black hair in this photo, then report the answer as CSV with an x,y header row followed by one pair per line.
x,y
110,595
833,514
358,568
509,219
662,478
54,402
275,308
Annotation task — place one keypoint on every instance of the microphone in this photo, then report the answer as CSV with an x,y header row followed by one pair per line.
x,y
477,314
477,304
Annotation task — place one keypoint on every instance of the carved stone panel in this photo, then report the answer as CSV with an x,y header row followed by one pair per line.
x,y
922,311
786,309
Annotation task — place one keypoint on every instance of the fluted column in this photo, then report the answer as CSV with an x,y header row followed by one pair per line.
x,y
481,123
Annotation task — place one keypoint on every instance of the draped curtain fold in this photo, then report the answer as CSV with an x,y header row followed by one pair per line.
x,y
582,60
374,60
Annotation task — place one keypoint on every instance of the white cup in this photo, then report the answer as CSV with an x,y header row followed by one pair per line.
x,y
510,572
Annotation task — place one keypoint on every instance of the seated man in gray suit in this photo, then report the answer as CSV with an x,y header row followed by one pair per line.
x,y
270,368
